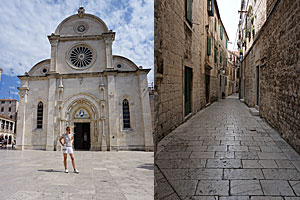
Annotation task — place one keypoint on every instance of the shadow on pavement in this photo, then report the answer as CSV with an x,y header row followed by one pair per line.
x,y
48,170
149,166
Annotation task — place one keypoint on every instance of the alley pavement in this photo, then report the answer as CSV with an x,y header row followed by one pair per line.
x,y
40,175
225,153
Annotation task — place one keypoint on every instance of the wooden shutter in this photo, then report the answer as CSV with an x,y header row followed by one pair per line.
x,y
189,11
208,46
221,32
216,55
210,7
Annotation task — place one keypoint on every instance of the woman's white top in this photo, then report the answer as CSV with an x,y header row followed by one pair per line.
x,y
67,140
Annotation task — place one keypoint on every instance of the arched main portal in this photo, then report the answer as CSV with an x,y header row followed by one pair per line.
x,y
82,113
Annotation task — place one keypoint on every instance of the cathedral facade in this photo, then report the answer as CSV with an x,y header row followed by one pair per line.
x,y
104,98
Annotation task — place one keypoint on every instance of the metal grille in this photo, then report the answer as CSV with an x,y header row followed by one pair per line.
x,y
126,114
40,115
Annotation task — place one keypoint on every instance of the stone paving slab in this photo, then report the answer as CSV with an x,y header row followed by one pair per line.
x,y
103,175
225,153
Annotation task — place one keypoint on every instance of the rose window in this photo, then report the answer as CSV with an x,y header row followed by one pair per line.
x,y
81,56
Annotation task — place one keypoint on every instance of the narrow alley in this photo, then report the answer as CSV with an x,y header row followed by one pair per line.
x,y
223,152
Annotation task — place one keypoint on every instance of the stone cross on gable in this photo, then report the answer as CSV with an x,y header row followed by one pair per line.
x,y
81,12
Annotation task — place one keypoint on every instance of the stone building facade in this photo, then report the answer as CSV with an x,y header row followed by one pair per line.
x,y
103,97
187,76
272,66
9,108
252,18
216,62
7,129
234,63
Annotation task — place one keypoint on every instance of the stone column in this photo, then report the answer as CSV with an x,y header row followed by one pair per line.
x,y
21,125
109,38
53,43
112,119
146,112
51,115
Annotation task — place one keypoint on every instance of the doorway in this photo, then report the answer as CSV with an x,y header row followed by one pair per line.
x,y
257,85
207,83
82,139
188,74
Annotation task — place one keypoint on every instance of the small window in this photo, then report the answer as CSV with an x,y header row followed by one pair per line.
x,y
3,102
9,109
189,11
119,66
210,7
9,102
40,116
126,114
2,109
208,46
10,116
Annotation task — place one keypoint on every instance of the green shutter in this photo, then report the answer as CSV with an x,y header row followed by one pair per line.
x,y
221,32
220,57
216,55
189,10
210,7
215,24
208,46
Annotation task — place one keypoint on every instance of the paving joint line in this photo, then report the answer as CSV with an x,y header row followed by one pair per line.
x,y
168,182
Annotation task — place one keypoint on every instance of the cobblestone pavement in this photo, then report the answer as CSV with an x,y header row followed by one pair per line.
x,y
225,153
103,175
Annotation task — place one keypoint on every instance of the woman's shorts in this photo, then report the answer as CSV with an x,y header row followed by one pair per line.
x,y
68,150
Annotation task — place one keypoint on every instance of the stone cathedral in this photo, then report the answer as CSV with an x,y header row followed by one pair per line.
x,y
103,97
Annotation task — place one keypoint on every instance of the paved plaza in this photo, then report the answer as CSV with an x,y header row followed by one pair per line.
x,y
103,175
225,153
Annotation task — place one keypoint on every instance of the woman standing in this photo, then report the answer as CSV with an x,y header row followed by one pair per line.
x,y
67,148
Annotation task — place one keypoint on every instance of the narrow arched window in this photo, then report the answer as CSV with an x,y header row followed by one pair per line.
x,y
126,114
39,115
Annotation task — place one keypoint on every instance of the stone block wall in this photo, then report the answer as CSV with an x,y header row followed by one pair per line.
x,y
177,44
279,44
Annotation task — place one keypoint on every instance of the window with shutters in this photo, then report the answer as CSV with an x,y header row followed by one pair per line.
x,y
216,55
221,32
208,46
215,24
40,116
210,7
126,114
189,11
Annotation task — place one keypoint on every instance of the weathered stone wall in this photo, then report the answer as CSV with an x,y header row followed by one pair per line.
x,y
177,44
279,44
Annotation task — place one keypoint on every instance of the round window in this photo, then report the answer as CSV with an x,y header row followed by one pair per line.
x,y
81,28
80,57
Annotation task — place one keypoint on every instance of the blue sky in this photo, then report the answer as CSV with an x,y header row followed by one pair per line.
x,y
26,24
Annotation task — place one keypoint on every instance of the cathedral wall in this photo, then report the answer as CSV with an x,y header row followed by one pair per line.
x,y
38,92
127,86
99,59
